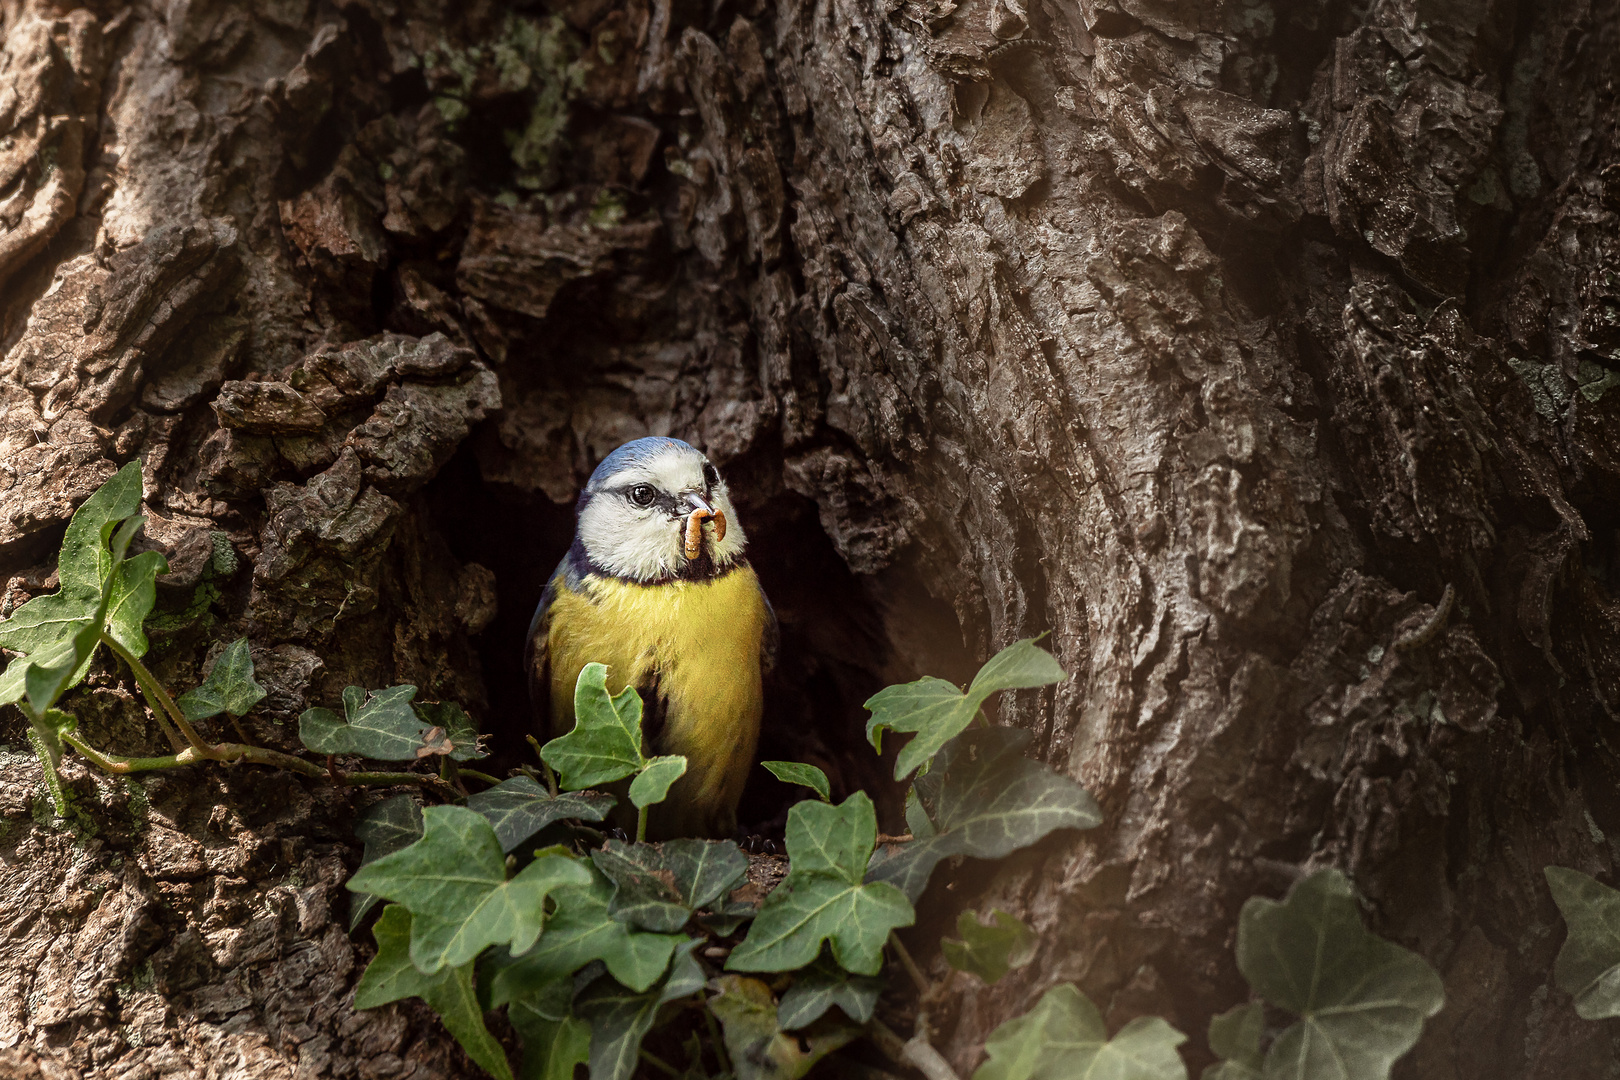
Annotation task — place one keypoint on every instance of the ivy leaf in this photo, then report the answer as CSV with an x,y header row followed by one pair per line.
x,y
917,819
989,951
822,985
938,712
45,621
796,772
133,587
581,930
46,673
657,886
385,728
757,1045
551,1048
545,995
453,880
1063,1036
620,1018
823,898
83,566
457,727
451,992
1234,1037
652,783
725,915
384,828
986,800
1361,1000
46,678
228,688
1588,966
518,808
605,744
86,560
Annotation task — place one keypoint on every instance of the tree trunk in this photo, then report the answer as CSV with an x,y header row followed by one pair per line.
x,y
1260,353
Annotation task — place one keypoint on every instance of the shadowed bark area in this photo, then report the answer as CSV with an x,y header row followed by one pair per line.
x,y
1264,354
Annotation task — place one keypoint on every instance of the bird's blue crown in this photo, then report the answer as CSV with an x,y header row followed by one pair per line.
x,y
636,452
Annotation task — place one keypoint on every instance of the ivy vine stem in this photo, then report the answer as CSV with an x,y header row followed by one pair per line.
x,y
659,1063
900,950
49,757
148,682
720,1052
641,825
177,743
231,753
916,1053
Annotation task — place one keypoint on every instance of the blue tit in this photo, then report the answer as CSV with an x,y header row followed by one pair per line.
x,y
656,587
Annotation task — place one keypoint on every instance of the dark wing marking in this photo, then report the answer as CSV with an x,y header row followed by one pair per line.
x,y
537,653
654,713
771,639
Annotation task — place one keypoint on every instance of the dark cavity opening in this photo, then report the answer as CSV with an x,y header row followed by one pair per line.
x,y
843,636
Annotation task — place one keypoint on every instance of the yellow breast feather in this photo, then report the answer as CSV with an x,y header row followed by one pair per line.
x,y
700,642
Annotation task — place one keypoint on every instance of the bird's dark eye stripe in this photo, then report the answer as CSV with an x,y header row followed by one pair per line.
x,y
711,475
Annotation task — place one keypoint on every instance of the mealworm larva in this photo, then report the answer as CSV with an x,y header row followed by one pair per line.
x,y
1426,633
694,531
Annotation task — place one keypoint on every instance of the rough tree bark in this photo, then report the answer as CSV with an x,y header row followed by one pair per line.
x,y
1219,339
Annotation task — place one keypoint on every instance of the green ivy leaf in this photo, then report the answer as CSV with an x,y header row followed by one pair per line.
x,y
229,687
651,785
45,621
1588,966
384,728
989,951
86,560
45,678
823,898
518,808
551,1048
917,820
1361,1000
581,930
45,674
83,566
726,914
133,585
938,712
796,772
986,800
450,993
457,726
657,886
384,828
1063,1036
453,881
757,1045
1234,1037
620,1018
822,985
605,744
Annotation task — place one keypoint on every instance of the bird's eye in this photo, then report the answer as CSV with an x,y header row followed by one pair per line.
x,y
643,495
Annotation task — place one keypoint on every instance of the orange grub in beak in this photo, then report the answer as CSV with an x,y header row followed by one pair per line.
x,y
694,529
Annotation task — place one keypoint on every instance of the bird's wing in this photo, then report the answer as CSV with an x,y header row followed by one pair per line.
x,y
537,653
771,639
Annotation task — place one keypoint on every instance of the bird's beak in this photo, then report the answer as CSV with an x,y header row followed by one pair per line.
x,y
702,511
